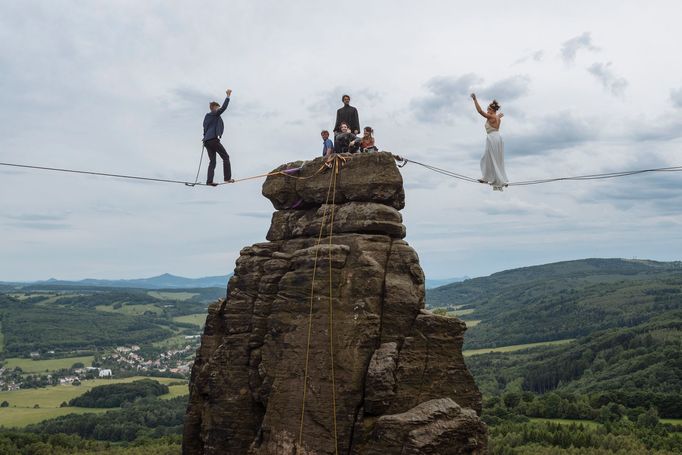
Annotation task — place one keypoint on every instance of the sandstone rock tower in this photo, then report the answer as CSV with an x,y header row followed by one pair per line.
x,y
398,384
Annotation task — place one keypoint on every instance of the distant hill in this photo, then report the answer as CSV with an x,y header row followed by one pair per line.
x,y
165,281
71,319
168,281
634,366
561,300
625,319
29,325
430,284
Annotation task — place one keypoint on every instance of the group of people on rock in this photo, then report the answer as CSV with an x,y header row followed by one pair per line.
x,y
347,139
346,131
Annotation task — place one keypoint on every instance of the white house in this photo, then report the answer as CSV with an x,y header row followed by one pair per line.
x,y
106,373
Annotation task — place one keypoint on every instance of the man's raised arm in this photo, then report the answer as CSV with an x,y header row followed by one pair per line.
x,y
228,92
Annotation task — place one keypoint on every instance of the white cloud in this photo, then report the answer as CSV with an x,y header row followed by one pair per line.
x,y
570,48
535,56
508,89
676,97
447,96
610,80
554,131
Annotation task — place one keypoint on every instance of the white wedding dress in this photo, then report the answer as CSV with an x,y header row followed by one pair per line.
x,y
492,163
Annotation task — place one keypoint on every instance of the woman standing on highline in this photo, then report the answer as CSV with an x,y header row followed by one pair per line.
x,y
492,163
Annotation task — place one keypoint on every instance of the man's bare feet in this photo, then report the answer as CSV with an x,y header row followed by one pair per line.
x,y
229,181
211,184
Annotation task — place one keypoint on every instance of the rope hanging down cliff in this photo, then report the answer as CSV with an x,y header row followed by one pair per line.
x,y
335,161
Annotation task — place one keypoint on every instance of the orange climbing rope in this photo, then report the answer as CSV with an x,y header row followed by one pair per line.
x,y
286,173
335,160
331,306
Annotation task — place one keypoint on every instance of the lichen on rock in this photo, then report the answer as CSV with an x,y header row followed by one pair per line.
x,y
401,385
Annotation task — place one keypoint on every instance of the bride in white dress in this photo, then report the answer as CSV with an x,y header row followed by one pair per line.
x,y
492,163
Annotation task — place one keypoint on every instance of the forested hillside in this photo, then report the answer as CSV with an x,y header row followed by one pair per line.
x,y
29,327
562,300
65,319
639,366
609,388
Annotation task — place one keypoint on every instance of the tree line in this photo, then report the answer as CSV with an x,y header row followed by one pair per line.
x,y
114,395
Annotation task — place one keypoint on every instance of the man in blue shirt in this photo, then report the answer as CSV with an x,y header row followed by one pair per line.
x,y
213,131
327,144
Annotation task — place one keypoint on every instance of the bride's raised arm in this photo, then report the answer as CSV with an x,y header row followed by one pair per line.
x,y
481,111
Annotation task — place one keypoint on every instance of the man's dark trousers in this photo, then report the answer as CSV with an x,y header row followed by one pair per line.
x,y
213,147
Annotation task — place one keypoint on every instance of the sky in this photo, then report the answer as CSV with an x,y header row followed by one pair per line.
x,y
122,87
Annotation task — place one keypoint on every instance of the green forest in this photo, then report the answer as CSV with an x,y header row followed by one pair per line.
x,y
30,327
68,319
115,395
614,389
563,300
634,366
146,426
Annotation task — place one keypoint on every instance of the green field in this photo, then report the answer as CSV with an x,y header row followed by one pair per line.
x,y
587,423
459,313
516,347
20,417
22,411
197,319
172,342
672,421
48,296
53,396
41,366
51,298
131,310
2,338
472,323
179,296
176,391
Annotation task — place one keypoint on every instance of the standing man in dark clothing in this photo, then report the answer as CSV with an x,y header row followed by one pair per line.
x,y
348,115
213,130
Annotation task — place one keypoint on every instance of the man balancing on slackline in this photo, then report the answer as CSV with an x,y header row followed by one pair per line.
x,y
213,130
348,115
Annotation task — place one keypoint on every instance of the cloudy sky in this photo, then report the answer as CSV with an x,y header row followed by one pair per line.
x,y
122,86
